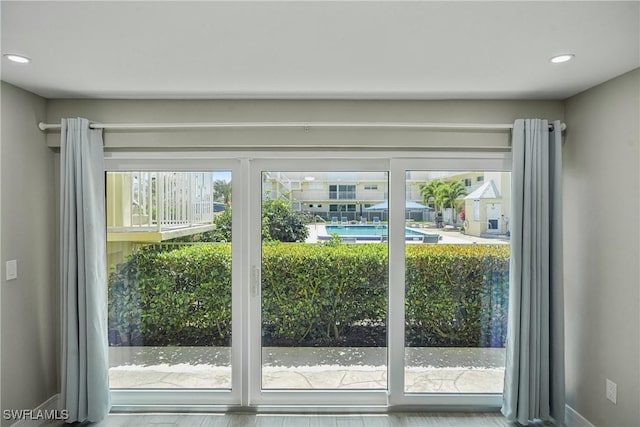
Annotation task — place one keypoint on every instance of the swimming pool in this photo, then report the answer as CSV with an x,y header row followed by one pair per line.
x,y
367,232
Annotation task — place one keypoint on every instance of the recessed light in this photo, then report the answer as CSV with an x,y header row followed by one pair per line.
x,y
558,59
17,58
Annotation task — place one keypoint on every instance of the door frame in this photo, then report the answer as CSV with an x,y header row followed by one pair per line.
x,y
399,166
257,395
179,399
246,171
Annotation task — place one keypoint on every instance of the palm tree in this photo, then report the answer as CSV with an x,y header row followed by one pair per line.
x,y
222,190
450,193
431,190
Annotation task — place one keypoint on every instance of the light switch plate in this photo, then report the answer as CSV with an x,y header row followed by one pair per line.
x,y
11,269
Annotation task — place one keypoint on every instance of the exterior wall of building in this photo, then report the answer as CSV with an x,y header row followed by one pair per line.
x,y
118,200
481,225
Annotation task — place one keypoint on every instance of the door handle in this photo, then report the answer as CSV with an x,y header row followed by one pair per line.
x,y
255,281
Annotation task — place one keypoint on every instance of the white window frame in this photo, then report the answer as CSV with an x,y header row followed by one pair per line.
x,y
177,399
296,398
399,167
246,389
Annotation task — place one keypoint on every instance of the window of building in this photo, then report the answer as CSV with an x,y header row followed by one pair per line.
x,y
342,192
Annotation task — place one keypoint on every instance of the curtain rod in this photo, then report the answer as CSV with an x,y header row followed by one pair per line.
x,y
292,125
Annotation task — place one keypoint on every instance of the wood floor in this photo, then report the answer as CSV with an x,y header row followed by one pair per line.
x,y
432,419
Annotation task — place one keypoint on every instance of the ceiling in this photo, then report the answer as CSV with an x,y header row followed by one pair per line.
x,y
317,49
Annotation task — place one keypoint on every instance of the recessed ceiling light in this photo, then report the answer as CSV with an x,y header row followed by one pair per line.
x,y
558,59
17,58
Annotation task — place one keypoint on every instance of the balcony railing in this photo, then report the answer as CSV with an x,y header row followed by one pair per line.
x,y
342,195
156,201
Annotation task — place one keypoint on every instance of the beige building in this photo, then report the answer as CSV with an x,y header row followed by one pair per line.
x,y
488,207
350,195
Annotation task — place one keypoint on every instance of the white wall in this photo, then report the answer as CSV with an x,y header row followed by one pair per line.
x,y
601,253
29,305
127,111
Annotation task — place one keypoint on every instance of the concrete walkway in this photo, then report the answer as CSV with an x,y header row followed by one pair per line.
x,y
428,370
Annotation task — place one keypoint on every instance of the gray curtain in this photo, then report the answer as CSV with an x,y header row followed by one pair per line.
x,y
85,363
534,377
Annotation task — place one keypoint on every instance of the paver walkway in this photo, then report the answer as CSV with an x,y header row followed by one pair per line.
x,y
429,370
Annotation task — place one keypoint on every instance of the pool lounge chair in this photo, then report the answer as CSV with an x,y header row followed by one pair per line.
x,y
376,220
334,220
430,238
344,220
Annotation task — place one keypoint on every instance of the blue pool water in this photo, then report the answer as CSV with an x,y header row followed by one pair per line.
x,y
367,232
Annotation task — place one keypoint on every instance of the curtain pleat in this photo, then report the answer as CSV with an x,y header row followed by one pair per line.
x,y
85,364
534,375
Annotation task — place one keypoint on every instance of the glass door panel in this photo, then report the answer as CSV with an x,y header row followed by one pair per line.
x,y
456,281
380,281
169,259
324,269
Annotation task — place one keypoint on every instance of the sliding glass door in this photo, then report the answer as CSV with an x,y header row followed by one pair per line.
x,y
451,293
456,282
321,282
173,270
341,280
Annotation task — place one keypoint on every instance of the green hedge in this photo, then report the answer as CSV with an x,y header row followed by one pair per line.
x,y
159,297
316,291
457,295
312,294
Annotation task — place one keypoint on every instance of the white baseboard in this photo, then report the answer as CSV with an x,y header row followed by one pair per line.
x,y
47,407
573,418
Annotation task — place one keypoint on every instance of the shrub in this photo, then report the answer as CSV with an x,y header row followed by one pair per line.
x,y
456,295
282,223
176,297
318,291
222,231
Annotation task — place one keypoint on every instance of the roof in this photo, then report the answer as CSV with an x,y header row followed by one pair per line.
x,y
488,190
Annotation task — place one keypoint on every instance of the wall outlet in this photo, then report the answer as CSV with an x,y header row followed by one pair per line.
x,y
612,391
